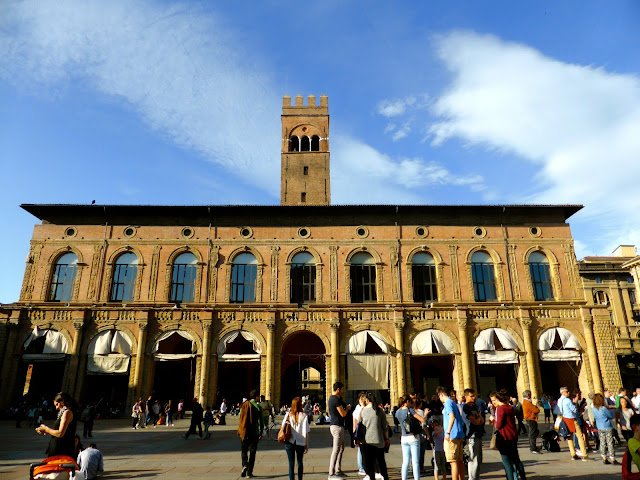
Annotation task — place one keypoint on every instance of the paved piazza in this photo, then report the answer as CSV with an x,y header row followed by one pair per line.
x,y
161,453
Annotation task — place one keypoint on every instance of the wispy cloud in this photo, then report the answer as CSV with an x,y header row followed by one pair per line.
x,y
362,174
578,124
178,68
394,108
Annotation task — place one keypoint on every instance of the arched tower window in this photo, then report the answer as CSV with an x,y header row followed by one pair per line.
x,y
124,278
483,275
540,276
363,278
244,273
303,278
315,143
304,144
64,274
183,278
423,273
294,144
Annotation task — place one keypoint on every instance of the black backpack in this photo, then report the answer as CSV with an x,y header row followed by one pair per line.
x,y
550,441
412,425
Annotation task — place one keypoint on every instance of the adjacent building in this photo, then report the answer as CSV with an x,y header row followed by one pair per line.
x,y
124,301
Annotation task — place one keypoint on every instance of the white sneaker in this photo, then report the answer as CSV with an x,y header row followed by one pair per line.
x,y
379,476
366,477
362,472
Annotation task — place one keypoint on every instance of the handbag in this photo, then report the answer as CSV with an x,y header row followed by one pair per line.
x,y
285,431
493,443
412,425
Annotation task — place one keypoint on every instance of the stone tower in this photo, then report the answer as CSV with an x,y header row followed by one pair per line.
x,y
305,152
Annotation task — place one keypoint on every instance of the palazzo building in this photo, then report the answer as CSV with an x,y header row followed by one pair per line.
x,y
123,301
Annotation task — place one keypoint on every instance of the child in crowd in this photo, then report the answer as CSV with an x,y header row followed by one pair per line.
x,y
439,461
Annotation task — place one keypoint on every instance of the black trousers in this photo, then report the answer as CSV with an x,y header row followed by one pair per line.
x,y
521,426
532,426
88,428
248,453
372,457
192,429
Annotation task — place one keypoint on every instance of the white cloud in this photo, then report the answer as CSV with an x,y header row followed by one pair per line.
x,y
177,67
363,175
402,132
394,108
579,124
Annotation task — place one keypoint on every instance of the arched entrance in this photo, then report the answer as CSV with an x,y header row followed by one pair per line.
x,y
367,365
108,361
497,361
238,366
43,363
175,367
560,360
432,359
302,368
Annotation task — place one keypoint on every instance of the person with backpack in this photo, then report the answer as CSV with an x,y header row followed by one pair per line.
x,y
250,426
87,417
453,434
410,440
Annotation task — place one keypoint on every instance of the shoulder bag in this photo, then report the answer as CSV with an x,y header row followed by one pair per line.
x,y
412,425
285,431
359,434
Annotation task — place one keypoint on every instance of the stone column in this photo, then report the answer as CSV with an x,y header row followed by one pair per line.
x,y
206,359
271,356
142,340
465,358
71,371
587,324
531,353
335,352
11,361
399,328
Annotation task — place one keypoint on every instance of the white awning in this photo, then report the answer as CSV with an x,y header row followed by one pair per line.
x,y
486,340
54,342
358,342
108,342
548,337
43,357
165,357
496,357
107,364
559,355
432,341
368,372
231,337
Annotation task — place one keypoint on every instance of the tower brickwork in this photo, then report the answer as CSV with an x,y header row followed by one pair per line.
x,y
305,173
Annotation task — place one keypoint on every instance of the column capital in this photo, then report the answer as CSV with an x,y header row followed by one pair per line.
x,y
587,322
334,325
77,325
462,323
526,323
271,326
399,325
206,324
142,326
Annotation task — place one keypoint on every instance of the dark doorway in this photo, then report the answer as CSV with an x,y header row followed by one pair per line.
x,y
431,371
630,371
45,382
559,374
303,353
109,392
495,377
236,380
174,380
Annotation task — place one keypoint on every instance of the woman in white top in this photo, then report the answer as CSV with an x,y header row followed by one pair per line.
x,y
298,443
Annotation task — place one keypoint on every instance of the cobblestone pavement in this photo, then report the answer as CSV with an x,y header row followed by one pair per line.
x,y
161,453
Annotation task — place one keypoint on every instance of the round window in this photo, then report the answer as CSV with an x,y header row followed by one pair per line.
x,y
304,232
246,232
187,232
129,231
362,231
479,231
70,232
535,231
422,231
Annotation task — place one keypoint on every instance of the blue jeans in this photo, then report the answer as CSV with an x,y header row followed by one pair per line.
x,y
410,452
360,464
293,451
511,460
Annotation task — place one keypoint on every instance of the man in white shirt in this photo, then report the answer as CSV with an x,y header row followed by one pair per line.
x,y
636,401
90,462
223,412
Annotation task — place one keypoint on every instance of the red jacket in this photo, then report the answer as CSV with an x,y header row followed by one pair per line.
x,y
506,422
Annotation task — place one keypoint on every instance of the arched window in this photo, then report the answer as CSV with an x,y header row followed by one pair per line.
x,y
315,143
64,274
124,278
540,276
303,278
183,278
294,144
423,274
244,273
600,298
363,278
483,275
304,144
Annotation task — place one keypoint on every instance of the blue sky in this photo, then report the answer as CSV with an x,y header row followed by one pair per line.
x,y
158,102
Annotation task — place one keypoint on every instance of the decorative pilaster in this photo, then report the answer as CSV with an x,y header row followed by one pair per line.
x,y
206,354
395,283
71,371
11,361
271,339
335,351
333,272
464,349
399,330
455,272
142,340
530,352
587,325
274,273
